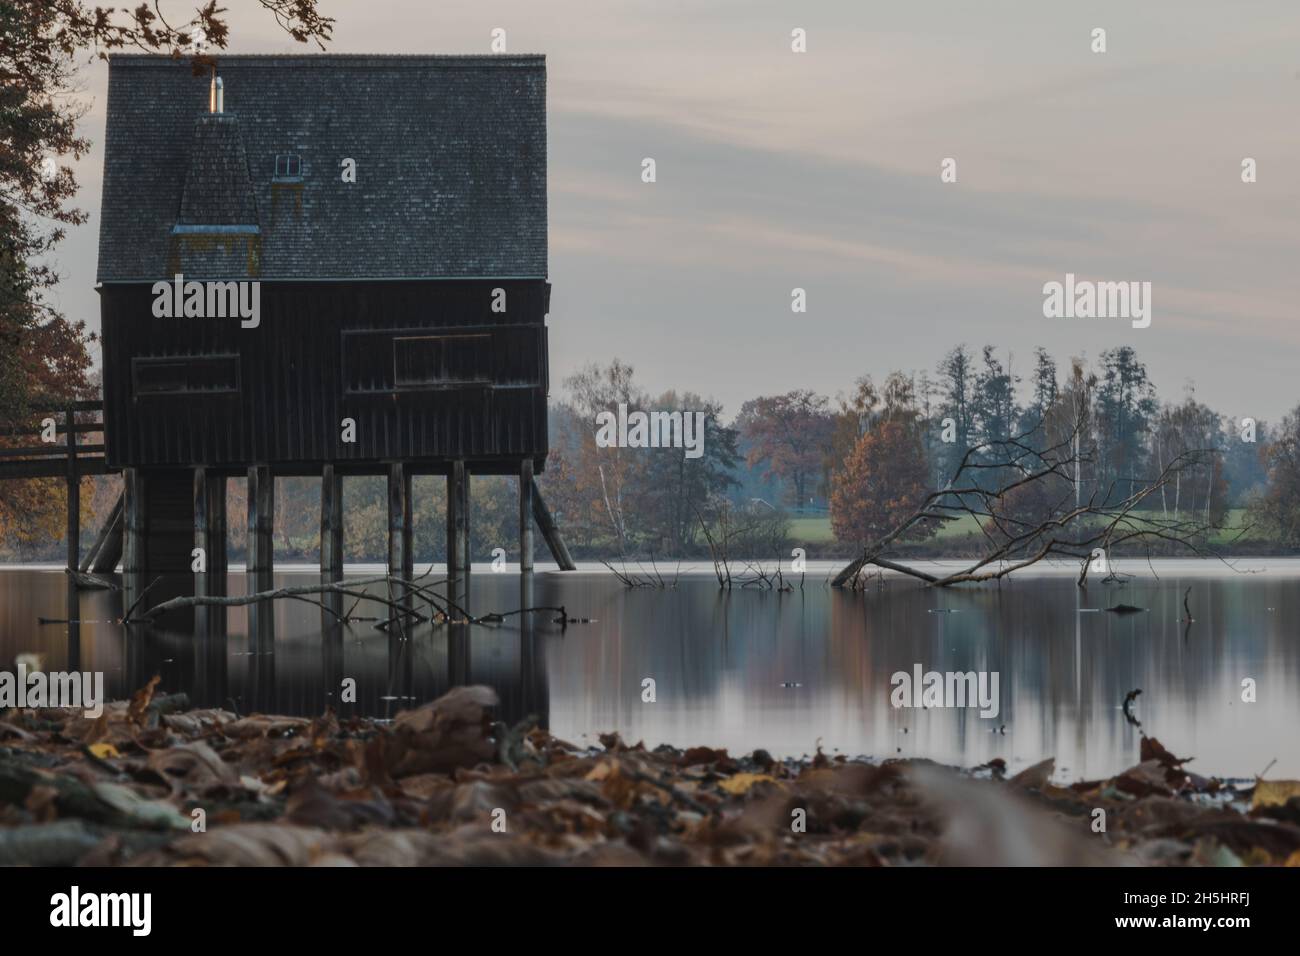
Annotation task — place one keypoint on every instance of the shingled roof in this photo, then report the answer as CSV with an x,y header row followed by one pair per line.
x,y
218,186
450,156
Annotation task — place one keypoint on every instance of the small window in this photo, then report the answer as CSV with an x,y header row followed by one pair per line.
x,y
288,166
442,361
186,375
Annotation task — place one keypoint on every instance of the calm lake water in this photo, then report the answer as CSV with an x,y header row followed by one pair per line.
x,y
754,669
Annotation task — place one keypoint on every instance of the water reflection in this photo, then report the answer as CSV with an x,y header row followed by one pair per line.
x,y
741,670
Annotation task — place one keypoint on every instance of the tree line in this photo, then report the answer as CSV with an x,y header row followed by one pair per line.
x,y
864,459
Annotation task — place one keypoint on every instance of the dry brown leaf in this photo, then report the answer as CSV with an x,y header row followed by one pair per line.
x,y
254,844
264,725
741,782
450,732
194,767
1035,777
1272,793
141,700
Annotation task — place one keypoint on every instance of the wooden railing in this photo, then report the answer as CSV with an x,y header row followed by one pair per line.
x,y
65,457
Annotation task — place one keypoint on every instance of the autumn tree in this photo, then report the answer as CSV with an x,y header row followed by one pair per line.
x,y
883,481
1277,509
792,435
854,418
41,351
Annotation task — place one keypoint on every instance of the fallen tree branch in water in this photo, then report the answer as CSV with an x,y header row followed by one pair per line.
x,y
403,606
1025,494
348,588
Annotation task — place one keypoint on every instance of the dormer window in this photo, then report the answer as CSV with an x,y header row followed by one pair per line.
x,y
288,166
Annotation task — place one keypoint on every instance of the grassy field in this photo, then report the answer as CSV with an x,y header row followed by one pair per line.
x,y
818,530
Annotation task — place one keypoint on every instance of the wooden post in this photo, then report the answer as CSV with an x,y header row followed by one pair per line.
x,y
210,518
74,494
331,524
551,532
218,561
111,553
526,517
261,519
135,509
112,528
454,478
401,562
464,529
457,532
202,517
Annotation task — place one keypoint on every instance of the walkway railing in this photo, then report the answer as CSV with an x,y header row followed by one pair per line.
x,y
26,451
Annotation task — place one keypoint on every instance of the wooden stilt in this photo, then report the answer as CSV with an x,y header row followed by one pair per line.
x,y
133,557
110,554
463,528
261,519
210,519
74,495
526,517
400,560
455,477
111,529
458,532
202,527
331,524
551,532
218,559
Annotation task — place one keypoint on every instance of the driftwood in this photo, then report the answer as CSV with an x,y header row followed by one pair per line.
x,y
88,582
204,600
404,607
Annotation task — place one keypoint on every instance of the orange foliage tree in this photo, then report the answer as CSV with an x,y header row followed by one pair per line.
x,y
881,484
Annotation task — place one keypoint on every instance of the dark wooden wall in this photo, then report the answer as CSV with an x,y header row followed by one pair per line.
x,y
324,352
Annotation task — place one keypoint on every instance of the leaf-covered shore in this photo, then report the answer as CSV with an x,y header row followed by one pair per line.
x,y
154,782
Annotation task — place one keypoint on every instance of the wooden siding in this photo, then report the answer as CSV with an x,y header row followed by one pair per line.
x,y
324,352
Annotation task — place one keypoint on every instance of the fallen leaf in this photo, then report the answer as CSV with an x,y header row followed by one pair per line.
x,y
741,782
195,767
703,755
141,699
1035,777
104,751
1152,749
1270,793
452,731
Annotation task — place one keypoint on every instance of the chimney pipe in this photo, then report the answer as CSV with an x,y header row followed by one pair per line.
x,y
216,94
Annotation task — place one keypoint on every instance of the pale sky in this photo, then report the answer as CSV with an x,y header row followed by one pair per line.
x,y
820,170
